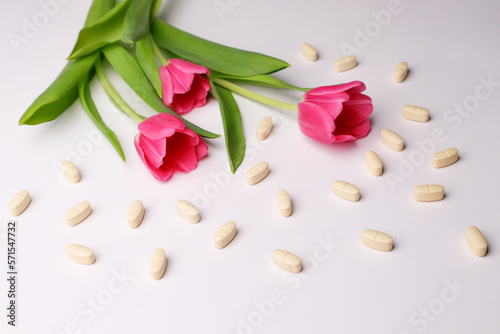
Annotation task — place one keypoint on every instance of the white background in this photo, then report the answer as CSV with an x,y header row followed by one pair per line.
x,y
451,47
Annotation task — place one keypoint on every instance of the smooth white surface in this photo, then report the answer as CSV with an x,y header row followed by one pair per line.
x,y
451,47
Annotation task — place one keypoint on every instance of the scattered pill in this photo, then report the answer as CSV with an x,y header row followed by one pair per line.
x,y
401,71
78,213
264,128
19,203
346,191
225,234
477,241
344,64
309,52
71,171
284,203
257,173
374,163
287,261
377,240
135,214
158,264
428,193
445,158
392,140
188,211
80,254
414,113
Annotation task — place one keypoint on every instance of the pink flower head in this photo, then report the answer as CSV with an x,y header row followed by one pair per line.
x,y
335,113
166,145
183,86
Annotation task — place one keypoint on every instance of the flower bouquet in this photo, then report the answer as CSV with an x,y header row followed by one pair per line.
x,y
174,72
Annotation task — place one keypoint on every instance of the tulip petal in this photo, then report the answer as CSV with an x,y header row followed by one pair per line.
x,y
181,81
161,174
180,157
201,149
351,87
355,111
167,86
160,126
339,97
191,137
315,122
187,66
196,97
352,133
333,108
154,150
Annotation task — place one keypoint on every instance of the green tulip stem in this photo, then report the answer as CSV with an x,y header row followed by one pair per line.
x,y
158,53
254,96
110,90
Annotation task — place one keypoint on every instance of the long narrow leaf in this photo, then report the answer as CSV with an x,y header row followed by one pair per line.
x,y
97,10
93,113
260,80
146,58
233,128
215,56
64,89
129,69
107,30
136,23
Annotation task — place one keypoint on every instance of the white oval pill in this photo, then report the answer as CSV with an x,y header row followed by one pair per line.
x,y
225,234
264,128
309,52
135,214
257,173
71,171
377,240
445,158
158,264
19,202
414,113
188,211
346,191
284,203
287,261
392,140
428,193
477,241
401,71
374,163
78,213
80,254
344,64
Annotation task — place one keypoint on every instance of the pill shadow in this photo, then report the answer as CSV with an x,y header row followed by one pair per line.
x,y
408,74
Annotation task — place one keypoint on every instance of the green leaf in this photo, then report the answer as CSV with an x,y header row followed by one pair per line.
x,y
90,108
64,89
107,30
260,80
215,56
136,22
146,58
129,69
97,10
60,94
233,128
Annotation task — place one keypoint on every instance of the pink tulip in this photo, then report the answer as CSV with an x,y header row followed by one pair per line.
x,y
166,145
335,113
184,87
